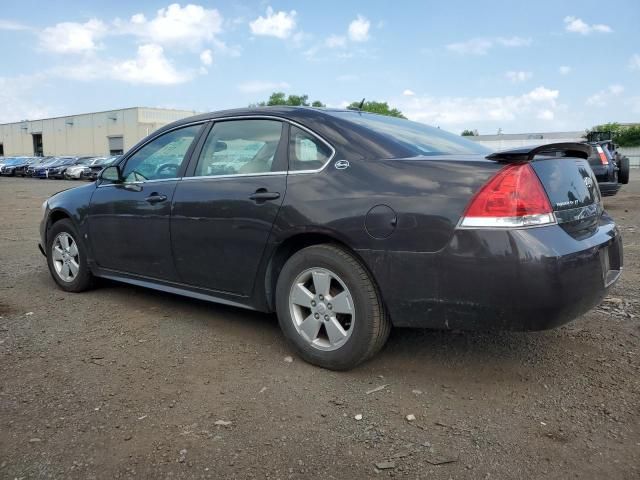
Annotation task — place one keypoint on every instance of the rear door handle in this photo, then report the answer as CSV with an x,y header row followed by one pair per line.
x,y
156,198
262,195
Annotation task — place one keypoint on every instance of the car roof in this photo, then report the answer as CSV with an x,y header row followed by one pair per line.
x,y
350,139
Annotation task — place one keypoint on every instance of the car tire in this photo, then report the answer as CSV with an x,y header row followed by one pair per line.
x,y
357,326
68,265
623,173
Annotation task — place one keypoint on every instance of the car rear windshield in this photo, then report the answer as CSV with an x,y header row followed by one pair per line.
x,y
416,137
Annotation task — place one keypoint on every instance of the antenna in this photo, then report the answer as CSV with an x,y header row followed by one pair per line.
x,y
361,104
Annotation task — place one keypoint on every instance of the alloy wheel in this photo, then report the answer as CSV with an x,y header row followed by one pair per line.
x,y
322,308
65,256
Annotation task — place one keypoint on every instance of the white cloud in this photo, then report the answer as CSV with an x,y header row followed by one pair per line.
x,y
357,32
359,29
336,41
206,57
518,76
71,37
257,86
482,45
408,93
455,112
577,25
475,46
279,25
514,41
564,70
546,115
11,25
150,66
16,98
190,26
601,98
634,62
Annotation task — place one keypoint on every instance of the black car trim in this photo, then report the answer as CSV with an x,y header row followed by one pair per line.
x,y
173,287
527,154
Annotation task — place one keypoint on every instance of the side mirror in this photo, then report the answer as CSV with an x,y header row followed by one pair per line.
x,y
111,174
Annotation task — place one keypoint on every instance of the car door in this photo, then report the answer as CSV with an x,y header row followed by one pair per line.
x,y
129,220
223,210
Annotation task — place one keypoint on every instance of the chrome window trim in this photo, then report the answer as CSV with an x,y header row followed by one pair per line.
x,y
280,119
157,180
232,175
222,119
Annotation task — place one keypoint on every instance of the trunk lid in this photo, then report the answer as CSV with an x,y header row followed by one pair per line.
x,y
568,180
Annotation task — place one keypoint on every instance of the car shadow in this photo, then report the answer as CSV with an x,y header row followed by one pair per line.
x,y
407,348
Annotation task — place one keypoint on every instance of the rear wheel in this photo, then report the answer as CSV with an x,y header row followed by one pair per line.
x,y
623,174
66,258
329,309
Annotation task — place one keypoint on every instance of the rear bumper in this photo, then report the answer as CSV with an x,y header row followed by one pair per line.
x,y
609,189
530,279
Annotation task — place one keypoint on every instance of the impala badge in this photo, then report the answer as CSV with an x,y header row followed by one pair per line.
x,y
588,182
341,164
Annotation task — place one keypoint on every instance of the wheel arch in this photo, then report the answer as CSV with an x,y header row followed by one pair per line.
x,y
295,243
55,216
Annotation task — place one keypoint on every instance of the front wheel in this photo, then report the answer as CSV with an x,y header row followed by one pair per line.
x,y
66,257
329,308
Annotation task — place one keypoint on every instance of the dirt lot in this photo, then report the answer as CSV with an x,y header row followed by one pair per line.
x,y
123,382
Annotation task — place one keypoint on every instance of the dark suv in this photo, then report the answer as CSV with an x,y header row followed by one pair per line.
x,y
610,167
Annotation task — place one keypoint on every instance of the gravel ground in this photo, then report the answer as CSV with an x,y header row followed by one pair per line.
x,y
122,382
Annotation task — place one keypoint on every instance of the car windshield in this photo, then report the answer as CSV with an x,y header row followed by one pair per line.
x,y
417,137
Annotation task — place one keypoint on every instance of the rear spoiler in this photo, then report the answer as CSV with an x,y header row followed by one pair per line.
x,y
527,154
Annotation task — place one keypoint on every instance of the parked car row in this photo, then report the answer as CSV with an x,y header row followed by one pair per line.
x,y
67,167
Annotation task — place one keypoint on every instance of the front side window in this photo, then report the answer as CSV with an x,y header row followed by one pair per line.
x,y
240,147
306,152
162,157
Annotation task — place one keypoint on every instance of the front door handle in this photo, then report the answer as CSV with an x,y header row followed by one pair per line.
x,y
263,195
156,198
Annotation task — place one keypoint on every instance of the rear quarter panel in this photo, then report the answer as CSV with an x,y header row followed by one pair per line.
x,y
428,197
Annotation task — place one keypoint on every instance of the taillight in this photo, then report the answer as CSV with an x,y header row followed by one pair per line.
x,y
603,157
514,197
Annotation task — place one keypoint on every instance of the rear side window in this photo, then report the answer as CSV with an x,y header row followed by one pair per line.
x,y
240,147
417,137
306,152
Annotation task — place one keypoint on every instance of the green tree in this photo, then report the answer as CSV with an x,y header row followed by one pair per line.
x,y
468,133
280,98
381,108
623,135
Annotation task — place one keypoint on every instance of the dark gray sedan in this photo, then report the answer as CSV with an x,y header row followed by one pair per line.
x,y
344,223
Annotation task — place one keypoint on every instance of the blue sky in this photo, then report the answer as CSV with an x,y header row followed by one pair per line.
x,y
536,66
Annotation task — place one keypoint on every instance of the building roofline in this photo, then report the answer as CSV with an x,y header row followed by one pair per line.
x,y
101,111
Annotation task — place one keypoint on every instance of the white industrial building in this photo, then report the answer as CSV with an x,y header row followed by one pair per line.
x,y
101,133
